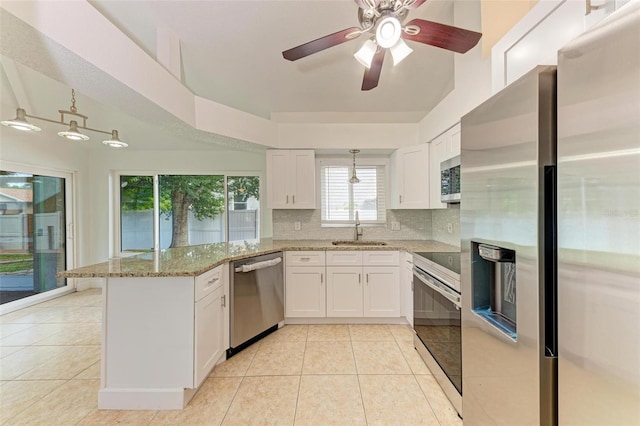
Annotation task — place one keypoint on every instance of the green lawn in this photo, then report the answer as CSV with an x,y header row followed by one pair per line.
x,y
22,256
15,267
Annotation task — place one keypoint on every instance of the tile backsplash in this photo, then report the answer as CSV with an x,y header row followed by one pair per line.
x,y
414,225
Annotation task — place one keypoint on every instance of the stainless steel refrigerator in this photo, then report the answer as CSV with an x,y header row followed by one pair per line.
x,y
550,227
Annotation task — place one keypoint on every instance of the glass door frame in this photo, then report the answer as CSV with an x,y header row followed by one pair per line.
x,y
70,231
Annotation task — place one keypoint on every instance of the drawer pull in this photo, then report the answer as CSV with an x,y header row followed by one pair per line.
x,y
305,259
224,300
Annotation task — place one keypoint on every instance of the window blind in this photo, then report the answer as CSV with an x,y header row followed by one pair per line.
x,y
340,199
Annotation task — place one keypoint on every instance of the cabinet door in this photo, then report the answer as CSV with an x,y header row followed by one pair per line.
x,y
302,179
344,291
412,177
278,196
305,292
208,335
381,291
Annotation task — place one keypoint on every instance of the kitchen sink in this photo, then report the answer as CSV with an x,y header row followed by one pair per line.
x,y
358,243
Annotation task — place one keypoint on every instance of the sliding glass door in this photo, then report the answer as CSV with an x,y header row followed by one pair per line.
x,y
33,237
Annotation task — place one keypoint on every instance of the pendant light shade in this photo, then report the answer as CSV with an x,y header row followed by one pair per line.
x,y
20,122
73,133
115,142
354,177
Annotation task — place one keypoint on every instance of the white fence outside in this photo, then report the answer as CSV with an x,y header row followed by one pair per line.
x,y
137,228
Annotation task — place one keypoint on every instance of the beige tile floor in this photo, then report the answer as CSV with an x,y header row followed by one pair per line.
x,y
303,375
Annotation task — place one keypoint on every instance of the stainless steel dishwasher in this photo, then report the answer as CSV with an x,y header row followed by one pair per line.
x,y
256,299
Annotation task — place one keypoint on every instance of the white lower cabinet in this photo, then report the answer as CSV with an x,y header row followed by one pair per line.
x,y
344,291
381,291
305,295
208,334
362,290
162,336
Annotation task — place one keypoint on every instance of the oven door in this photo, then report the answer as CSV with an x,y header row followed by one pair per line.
x,y
436,319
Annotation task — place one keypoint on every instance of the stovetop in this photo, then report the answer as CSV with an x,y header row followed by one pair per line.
x,y
448,260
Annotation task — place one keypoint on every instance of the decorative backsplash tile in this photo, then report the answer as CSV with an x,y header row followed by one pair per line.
x,y
440,219
414,225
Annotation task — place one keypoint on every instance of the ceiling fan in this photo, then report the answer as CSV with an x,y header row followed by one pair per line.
x,y
383,20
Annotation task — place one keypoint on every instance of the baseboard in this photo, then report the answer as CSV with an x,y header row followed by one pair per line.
x,y
358,320
86,284
144,399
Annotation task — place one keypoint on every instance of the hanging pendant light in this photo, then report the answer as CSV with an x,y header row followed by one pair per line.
x,y
73,133
354,178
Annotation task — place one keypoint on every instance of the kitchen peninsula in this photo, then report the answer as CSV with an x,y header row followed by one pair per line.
x,y
156,305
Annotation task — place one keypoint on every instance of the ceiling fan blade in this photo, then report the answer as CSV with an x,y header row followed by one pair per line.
x,y
366,4
415,4
321,43
372,74
441,35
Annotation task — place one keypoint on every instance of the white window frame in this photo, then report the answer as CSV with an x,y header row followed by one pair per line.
x,y
116,243
348,161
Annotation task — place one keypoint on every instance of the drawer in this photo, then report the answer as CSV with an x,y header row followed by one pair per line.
x,y
344,258
208,282
380,258
305,258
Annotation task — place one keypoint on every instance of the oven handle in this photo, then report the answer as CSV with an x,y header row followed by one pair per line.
x,y
437,286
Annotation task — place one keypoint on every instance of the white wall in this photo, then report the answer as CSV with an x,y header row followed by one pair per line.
x,y
472,79
347,135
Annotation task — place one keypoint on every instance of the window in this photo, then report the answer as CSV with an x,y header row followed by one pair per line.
x,y
340,199
181,210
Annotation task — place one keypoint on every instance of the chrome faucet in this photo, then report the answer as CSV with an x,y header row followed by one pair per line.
x,y
357,232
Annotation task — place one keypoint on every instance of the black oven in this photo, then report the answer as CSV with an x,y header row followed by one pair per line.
x,y
437,321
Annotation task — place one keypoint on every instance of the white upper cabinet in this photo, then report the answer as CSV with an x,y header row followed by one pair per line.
x,y
442,148
291,179
410,178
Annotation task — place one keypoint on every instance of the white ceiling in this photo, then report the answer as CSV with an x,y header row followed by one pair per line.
x,y
230,54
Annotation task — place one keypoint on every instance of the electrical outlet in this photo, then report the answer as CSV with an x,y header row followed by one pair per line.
x,y
296,226
450,228
395,226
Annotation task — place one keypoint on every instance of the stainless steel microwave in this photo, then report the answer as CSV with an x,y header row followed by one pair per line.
x,y
450,180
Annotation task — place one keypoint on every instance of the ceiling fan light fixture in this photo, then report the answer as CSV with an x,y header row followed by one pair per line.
x,y
20,122
73,133
399,51
364,55
115,142
388,32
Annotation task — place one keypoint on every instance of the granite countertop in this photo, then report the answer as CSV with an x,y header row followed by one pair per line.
x,y
195,260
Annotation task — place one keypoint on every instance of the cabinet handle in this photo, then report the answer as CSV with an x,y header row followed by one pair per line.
x,y
294,199
210,282
287,199
321,278
224,300
305,259
367,278
359,278
400,199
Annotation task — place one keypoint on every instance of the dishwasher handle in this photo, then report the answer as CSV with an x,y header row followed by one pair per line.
x,y
258,265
